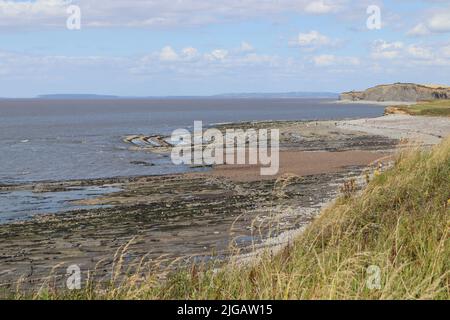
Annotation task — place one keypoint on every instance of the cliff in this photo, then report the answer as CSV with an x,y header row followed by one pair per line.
x,y
399,92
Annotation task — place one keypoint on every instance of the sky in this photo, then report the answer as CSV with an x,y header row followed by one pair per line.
x,y
205,47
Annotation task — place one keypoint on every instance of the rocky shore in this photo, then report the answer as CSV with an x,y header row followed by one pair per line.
x,y
159,222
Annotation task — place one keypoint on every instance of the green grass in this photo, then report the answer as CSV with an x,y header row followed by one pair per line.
x,y
400,223
429,108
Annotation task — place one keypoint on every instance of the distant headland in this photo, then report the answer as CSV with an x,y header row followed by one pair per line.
x,y
402,92
239,95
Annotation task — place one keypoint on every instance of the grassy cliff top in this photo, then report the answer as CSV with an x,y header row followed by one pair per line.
x,y
425,108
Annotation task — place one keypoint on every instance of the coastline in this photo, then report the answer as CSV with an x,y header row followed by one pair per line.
x,y
199,216
377,103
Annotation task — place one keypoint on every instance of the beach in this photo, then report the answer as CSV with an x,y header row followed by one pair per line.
x,y
173,220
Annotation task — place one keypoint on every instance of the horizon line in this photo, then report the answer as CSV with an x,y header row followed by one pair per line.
x,y
287,94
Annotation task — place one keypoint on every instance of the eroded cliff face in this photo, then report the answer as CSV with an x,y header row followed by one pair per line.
x,y
399,92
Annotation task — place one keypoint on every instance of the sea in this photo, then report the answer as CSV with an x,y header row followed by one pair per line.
x,y
73,139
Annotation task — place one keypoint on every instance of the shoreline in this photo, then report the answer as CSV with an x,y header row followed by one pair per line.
x,y
377,103
199,214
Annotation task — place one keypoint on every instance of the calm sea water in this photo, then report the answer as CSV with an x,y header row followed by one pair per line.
x,y
80,139
44,140
20,205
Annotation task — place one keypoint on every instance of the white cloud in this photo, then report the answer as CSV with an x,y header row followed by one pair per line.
x,y
438,22
189,52
386,50
419,30
312,40
419,52
188,62
253,58
320,7
19,65
191,62
44,7
168,54
135,13
412,55
218,54
326,60
39,12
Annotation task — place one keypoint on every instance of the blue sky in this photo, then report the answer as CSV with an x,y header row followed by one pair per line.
x,y
199,47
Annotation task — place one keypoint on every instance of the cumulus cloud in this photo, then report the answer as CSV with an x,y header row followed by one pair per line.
x,y
168,54
192,62
438,22
186,62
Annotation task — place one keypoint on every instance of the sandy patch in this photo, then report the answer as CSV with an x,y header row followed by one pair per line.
x,y
300,163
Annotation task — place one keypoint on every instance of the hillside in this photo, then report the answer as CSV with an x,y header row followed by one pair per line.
x,y
399,92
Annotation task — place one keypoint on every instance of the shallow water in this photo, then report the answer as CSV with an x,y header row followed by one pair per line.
x,y
43,140
21,205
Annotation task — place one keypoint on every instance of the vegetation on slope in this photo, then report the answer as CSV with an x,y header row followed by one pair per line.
x,y
428,108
